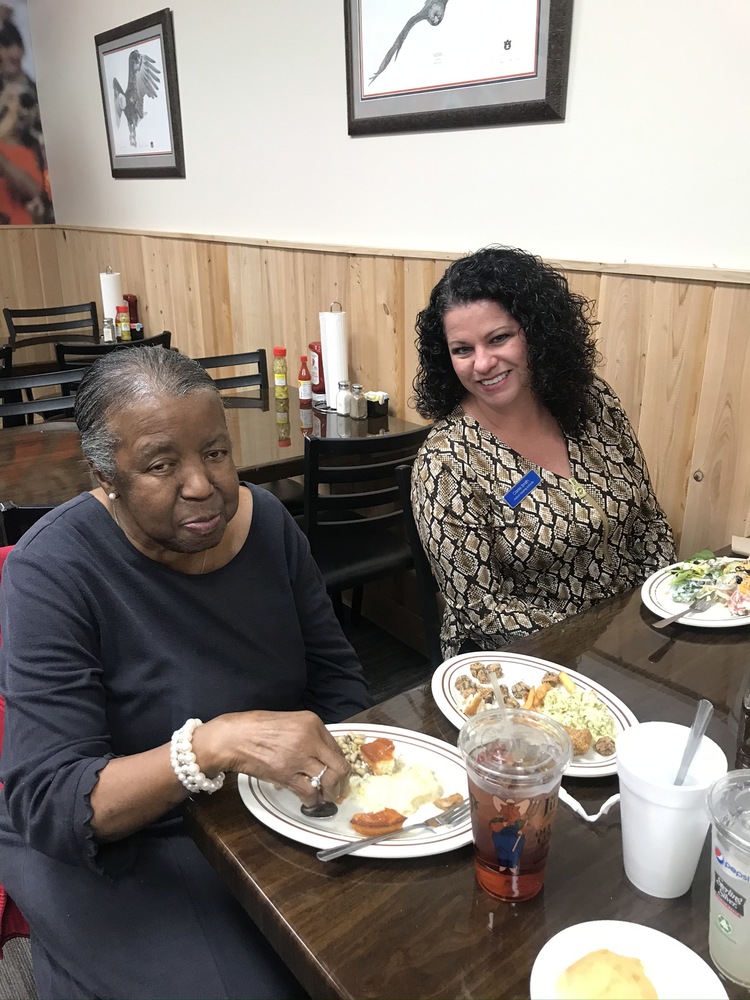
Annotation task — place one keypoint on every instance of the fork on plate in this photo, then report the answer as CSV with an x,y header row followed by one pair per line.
x,y
698,605
453,815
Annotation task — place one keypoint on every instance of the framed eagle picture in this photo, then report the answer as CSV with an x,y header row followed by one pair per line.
x,y
138,76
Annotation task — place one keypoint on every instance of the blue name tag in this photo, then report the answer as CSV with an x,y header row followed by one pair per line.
x,y
522,488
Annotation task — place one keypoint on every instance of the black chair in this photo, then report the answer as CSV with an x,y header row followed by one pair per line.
x,y
62,405
6,361
78,355
258,377
353,515
16,519
428,592
288,491
27,327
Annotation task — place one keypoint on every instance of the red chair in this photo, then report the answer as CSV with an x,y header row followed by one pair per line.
x,y
12,922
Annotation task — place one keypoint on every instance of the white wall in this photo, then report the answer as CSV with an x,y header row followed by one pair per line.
x,y
650,165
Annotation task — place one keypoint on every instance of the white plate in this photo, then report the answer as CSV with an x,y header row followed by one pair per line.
x,y
655,594
280,809
676,972
530,670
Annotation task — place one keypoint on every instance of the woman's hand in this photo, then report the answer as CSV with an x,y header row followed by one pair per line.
x,y
285,748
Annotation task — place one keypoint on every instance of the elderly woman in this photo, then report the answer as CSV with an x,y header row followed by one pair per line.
x,y
531,493
170,593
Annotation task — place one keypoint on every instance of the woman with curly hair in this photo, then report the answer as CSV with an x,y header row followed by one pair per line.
x,y
531,493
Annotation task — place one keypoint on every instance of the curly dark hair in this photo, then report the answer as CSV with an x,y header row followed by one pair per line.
x,y
556,322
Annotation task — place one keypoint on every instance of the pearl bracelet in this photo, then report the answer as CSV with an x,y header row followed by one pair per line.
x,y
184,764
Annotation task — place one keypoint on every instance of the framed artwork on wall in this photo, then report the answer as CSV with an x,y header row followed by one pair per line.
x,y
138,76
455,64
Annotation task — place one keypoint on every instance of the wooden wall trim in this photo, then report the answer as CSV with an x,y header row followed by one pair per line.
x,y
673,341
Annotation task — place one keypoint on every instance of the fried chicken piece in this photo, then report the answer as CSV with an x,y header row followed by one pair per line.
x,y
520,691
465,685
482,671
448,801
580,738
510,702
551,678
605,746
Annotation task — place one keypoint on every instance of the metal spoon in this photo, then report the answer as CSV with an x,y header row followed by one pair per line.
x,y
703,713
321,809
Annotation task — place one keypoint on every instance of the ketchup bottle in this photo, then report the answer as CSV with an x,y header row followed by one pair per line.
x,y
305,384
316,369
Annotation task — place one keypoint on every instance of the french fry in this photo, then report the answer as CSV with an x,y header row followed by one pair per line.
x,y
540,694
567,682
529,703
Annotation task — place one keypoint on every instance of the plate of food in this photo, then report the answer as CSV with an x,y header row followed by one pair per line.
x,y
616,958
724,578
411,774
462,686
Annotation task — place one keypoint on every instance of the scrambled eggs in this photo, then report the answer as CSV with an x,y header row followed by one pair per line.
x,y
580,710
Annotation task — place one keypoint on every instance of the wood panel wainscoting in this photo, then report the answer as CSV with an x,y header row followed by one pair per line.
x,y
674,341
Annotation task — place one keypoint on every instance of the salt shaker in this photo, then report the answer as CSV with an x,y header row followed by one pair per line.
x,y
108,331
343,398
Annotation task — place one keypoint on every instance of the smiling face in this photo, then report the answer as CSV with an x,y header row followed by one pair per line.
x,y
176,481
488,350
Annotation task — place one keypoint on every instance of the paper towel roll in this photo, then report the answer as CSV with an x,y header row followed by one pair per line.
x,y
335,357
111,286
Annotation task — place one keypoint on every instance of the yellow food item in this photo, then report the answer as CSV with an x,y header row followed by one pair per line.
x,y
605,975
580,710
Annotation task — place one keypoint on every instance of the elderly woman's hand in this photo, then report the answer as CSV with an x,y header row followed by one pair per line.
x,y
285,748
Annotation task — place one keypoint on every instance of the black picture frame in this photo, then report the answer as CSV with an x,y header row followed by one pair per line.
x,y
536,95
138,77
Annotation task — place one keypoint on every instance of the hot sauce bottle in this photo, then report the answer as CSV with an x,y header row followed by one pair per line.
x,y
305,384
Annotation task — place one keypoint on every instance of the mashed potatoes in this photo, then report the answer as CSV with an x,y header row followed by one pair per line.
x,y
408,788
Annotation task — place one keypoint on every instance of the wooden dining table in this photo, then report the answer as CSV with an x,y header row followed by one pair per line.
x,y
421,927
42,463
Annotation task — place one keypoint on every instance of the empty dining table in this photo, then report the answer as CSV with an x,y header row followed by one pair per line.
x,y
42,463
420,926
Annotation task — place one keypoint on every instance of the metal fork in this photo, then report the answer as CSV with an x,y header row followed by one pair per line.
x,y
453,815
699,604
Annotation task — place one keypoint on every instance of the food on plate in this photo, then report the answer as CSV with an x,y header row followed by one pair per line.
x,y
482,671
448,801
408,787
605,746
371,824
605,975
580,738
727,581
590,723
581,710
379,755
380,780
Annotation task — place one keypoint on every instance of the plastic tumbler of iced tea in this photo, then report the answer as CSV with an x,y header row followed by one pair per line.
x,y
514,762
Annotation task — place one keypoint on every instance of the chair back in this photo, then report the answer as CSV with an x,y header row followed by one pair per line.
x,y
258,376
428,592
350,486
27,327
15,519
77,355
6,361
11,389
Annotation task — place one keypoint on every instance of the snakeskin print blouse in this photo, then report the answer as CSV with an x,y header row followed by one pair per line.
x,y
507,571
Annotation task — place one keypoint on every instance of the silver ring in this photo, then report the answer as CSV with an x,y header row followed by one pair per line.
x,y
316,781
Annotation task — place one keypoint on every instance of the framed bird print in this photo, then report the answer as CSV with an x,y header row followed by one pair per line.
x,y
424,65
138,76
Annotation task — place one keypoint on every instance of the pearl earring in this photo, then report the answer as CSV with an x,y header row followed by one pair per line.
x,y
112,496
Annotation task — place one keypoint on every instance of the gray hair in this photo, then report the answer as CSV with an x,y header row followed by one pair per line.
x,y
121,379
